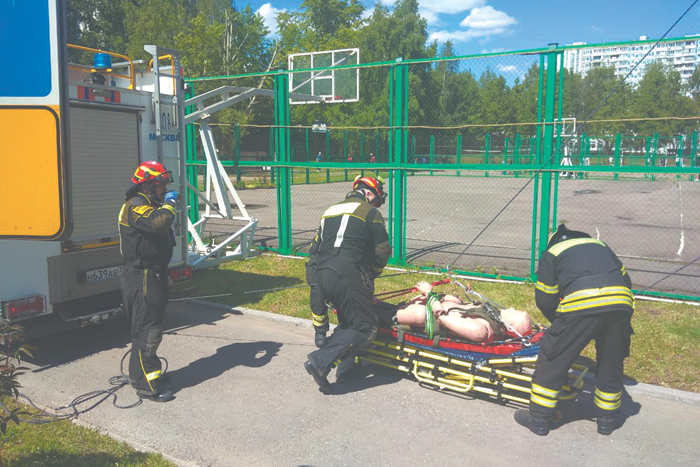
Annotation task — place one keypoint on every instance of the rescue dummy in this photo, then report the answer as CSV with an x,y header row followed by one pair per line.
x,y
464,320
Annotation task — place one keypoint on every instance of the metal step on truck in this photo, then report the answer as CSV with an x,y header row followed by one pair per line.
x,y
72,136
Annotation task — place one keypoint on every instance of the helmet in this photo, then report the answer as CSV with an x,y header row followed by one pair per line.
x,y
562,234
375,185
152,171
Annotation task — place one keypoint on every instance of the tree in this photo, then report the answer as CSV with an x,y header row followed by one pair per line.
x,y
659,94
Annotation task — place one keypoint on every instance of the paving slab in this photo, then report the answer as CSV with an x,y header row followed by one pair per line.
x,y
243,399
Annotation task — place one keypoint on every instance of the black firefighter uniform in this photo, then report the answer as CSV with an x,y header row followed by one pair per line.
x,y
319,309
353,250
585,291
147,243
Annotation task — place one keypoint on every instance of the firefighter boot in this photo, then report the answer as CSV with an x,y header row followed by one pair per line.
x,y
606,424
538,425
320,379
320,339
160,396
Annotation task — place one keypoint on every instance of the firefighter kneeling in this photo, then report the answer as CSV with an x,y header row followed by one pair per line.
x,y
353,250
584,290
147,241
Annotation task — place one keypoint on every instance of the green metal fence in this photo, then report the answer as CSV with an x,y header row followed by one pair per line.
x,y
457,139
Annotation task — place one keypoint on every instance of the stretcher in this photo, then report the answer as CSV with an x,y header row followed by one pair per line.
x,y
500,370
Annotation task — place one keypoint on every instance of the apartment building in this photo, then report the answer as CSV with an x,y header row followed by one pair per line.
x,y
681,53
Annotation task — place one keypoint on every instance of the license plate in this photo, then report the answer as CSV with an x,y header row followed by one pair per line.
x,y
99,275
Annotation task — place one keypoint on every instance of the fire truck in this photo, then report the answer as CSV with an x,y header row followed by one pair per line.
x,y
73,137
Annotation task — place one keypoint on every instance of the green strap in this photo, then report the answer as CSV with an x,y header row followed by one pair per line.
x,y
430,324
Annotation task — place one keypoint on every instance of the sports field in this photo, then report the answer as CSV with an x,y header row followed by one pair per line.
x,y
654,226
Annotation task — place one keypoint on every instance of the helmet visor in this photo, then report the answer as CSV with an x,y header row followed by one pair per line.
x,y
163,178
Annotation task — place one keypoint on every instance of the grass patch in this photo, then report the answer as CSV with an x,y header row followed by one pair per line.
x,y
665,347
64,444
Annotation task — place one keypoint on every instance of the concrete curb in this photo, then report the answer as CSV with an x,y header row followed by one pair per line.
x,y
632,387
135,444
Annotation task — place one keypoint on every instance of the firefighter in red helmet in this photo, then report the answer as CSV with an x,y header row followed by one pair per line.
x,y
353,249
147,242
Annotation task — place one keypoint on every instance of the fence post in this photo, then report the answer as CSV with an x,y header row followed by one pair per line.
x,y
345,153
237,151
328,154
487,145
679,154
647,154
459,151
362,151
284,202
432,152
191,157
547,146
654,148
505,156
618,151
399,150
516,154
272,150
308,156
693,152
376,150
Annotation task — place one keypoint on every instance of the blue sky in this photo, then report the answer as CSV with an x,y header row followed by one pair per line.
x,y
480,26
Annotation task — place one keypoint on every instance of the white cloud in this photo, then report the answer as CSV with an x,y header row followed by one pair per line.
x,y
454,36
430,16
482,22
487,20
269,15
493,51
507,68
450,6
388,2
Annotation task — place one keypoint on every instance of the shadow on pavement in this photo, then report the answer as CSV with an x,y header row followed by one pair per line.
x,y
583,408
370,376
73,345
251,354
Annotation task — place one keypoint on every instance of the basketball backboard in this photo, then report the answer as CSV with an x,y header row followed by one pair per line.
x,y
333,85
567,127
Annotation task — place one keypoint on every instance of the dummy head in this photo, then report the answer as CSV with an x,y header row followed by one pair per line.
x,y
518,320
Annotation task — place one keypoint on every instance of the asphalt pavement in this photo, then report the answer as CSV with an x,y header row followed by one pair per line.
x,y
244,399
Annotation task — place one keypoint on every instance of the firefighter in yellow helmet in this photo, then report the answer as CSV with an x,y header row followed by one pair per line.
x,y
353,250
147,242
585,291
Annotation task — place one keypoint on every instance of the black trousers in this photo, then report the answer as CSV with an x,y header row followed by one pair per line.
x,y
319,309
145,296
564,341
344,285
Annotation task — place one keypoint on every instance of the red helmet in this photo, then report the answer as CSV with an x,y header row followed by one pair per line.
x,y
152,171
375,185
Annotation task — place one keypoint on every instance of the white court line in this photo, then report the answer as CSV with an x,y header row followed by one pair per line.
x,y
682,241
597,232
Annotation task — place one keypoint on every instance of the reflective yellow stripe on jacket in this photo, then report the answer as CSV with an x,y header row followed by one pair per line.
x,y
550,289
594,298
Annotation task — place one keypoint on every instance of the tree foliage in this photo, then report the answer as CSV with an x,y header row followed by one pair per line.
x,y
217,39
